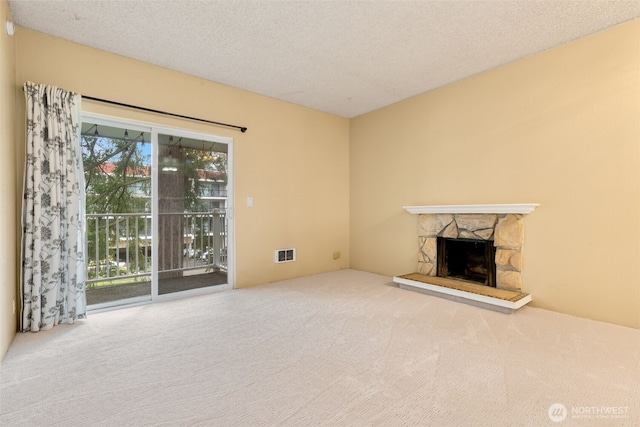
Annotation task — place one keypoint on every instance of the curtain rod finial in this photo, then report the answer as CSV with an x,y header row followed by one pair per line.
x,y
10,27
243,130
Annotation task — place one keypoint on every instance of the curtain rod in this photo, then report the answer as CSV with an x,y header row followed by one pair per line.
x,y
151,110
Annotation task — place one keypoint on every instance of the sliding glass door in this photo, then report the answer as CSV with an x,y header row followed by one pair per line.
x,y
118,181
192,206
158,204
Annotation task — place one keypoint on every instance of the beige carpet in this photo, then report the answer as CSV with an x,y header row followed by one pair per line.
x,y
343,348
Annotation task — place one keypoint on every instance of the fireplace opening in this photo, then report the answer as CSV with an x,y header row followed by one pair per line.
x,y
467,259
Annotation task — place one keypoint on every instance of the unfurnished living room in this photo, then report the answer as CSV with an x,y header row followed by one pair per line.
x,y
353,213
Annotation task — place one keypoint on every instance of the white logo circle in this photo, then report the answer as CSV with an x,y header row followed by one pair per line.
x,y
557,412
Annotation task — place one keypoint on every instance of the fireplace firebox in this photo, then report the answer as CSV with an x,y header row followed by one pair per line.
x,y
467,259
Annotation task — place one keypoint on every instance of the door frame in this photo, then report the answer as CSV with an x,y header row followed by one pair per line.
x,y
155,129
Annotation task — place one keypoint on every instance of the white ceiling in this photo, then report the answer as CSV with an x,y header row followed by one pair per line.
x,y
342,57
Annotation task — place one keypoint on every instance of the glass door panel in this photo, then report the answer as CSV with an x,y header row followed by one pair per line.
x,y
192,205
117,167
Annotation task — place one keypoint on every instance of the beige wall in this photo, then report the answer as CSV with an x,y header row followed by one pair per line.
x,y
8,221
293,161
561,128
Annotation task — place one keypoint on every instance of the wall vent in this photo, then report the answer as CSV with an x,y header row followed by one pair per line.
x,y
285,255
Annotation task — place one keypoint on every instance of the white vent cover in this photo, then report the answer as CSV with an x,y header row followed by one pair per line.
x,y
285,255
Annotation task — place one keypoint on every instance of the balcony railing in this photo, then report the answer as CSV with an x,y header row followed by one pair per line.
x,y
210,192
119,246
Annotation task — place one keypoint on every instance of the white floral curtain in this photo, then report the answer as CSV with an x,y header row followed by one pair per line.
x,y
53,212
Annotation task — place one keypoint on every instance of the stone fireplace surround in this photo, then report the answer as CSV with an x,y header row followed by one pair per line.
x,y
505,230
502,224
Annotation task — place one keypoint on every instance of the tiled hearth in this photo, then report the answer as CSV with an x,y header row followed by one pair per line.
x,y
499,225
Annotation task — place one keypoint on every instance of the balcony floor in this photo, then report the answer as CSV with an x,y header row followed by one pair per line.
x,y
106,294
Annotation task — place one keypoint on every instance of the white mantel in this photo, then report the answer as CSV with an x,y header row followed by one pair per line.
x,y
520,208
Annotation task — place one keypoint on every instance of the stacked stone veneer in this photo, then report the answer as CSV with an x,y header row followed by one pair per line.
x,y
506,231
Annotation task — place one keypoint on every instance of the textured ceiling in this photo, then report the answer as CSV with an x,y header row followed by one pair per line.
x,y
341,57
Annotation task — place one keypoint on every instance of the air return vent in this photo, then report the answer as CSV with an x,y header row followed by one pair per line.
x,y
285,255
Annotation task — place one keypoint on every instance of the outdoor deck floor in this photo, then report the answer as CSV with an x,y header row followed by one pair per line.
x,y
105,294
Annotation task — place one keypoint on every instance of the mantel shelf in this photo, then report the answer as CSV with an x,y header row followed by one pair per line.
x,y
522,208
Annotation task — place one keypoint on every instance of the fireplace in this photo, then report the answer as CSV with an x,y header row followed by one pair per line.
x,y
471,254
501,233
469,260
